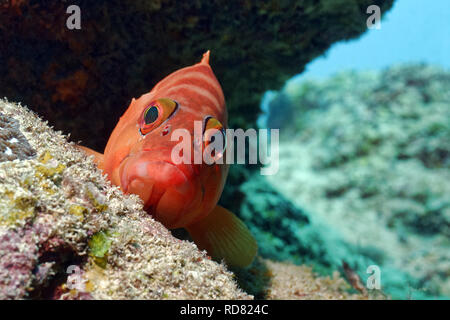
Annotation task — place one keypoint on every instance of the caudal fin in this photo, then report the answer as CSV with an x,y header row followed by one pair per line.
x,y
225,236
98,157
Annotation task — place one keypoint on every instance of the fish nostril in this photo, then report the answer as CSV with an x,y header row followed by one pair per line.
x,y
166,130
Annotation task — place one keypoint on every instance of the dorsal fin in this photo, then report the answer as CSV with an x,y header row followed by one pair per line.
x,y
205,58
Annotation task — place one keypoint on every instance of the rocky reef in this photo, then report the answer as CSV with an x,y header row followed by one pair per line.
x,y
366,155
268,279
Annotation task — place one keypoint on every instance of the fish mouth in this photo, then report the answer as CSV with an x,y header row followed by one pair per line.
x,y
166,189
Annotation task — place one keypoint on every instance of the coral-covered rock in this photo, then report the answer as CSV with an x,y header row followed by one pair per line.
x,y
291,282
267,279
13,145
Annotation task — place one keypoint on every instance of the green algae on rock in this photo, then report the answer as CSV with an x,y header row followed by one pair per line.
x,y
54,219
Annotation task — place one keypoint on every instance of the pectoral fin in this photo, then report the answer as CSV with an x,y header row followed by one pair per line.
x,y
224,236
98,157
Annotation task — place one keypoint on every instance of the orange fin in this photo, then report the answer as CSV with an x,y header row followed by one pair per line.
x,y
205,58
98,157
225,236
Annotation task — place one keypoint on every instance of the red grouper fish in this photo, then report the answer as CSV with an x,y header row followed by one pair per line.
x,y
137,158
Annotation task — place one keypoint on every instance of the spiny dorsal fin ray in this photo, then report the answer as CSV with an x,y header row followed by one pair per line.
x,y
205,58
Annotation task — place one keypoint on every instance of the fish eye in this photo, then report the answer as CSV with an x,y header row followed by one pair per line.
x,y
157,113
151,115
